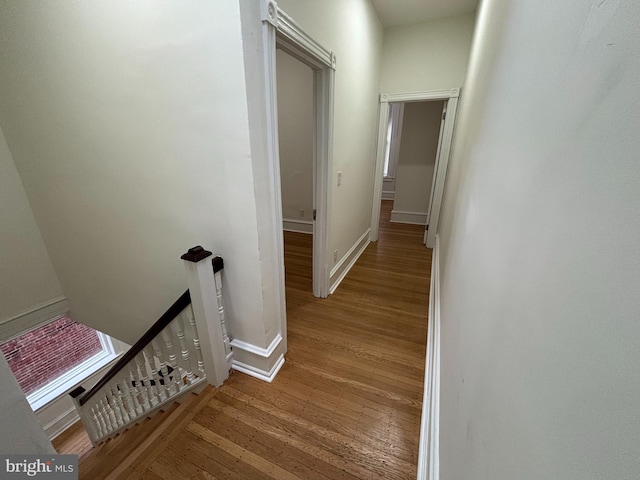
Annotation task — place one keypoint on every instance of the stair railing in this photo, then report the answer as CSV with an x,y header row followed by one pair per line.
x,y
184,350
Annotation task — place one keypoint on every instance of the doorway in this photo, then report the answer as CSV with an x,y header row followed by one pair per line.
x,y
296,140
282,33
413,138
429,186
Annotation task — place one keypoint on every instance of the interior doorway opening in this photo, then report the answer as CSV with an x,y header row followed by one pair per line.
x,y
414,140
287,37
296,139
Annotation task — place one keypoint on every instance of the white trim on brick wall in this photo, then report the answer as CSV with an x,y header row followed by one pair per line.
x,y
68,380
53,407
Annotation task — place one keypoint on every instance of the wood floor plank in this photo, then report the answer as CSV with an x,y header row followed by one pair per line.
x,y
364,430
146,457
148,475
256,461
202,453
260,442
321,448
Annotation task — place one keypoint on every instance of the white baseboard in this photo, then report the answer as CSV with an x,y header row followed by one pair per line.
x,y
262,363
388,195
266,376
414,218
348,260
61,423
299,226
429,449
262,352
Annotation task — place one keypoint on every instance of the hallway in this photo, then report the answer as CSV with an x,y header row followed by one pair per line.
x,y
347,402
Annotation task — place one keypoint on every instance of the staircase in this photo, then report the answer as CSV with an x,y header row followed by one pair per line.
x,y
130,453
156,382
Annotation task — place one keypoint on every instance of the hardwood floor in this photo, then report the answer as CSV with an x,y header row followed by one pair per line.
x,y
347,402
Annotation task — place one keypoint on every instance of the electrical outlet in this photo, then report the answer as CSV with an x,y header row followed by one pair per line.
x,y
335,255
301,213
339,178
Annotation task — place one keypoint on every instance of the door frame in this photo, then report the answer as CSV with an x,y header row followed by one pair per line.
x,y
280,31
451,97
433,178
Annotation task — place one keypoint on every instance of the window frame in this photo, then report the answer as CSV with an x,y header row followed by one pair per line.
x,y
62,384
111,349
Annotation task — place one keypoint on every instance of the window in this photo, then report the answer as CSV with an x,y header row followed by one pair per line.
x,y
52,358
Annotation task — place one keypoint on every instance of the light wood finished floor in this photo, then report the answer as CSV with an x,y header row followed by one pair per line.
x,y
346,404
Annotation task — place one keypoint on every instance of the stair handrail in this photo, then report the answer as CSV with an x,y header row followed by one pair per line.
x,y
167,317
187,348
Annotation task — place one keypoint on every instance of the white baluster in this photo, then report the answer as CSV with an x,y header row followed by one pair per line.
x,y
167,335
101,428
196,340
178,325
121,398
112,398
143,383
127,400
105,415
155,378
225,335
163,369
110,411
136,395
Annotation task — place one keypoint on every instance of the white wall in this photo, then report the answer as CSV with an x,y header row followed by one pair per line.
x,y
295,132
21,432
351,29
417,159
27,278
128,125
426,56
540,260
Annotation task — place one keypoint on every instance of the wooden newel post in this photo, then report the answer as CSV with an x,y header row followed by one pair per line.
x,y
202,287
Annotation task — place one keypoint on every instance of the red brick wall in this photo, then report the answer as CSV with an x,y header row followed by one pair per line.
x,y
41,355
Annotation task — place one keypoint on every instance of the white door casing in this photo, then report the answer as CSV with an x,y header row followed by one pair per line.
x,y
279,30
451,98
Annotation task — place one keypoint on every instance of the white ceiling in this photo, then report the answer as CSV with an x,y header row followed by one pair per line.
x,y
394,13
